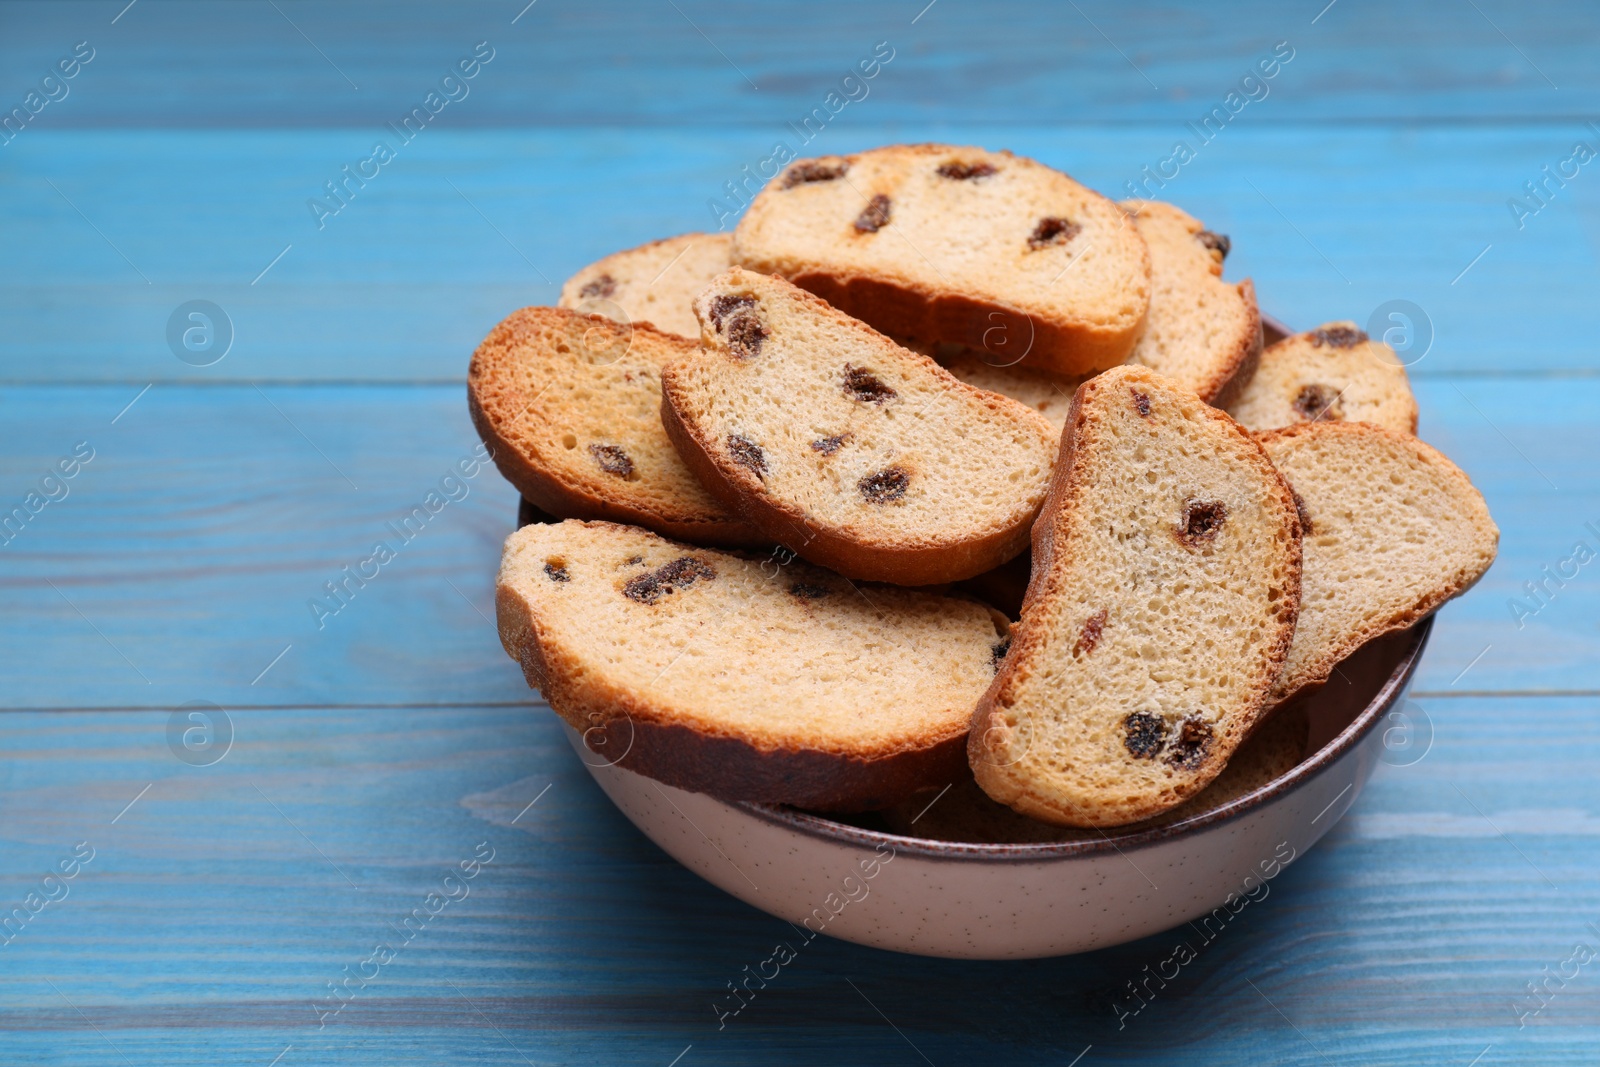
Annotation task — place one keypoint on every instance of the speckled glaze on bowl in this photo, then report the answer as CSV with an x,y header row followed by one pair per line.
x,y
933,898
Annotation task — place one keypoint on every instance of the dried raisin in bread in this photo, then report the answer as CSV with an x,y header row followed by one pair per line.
x,y
1166,576
570,405
966,814
852,451
959,245
1048,394
1202,332
737,677
654,283
1334,373
1392,530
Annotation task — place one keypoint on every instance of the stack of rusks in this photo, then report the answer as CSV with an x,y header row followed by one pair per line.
x,y
943,475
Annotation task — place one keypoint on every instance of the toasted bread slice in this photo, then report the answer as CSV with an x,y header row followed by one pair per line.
x,y
966,814
1202,332
1166,576
1392,530
654,283
570,404
1048,394
854,452
958,245
1334,373
740,678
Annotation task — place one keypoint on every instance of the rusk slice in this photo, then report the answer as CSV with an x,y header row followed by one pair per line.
x,y
654,283
1166,576
1202,332
966,813
571,406
1334,373
743,679
1393,529
959,245
852,451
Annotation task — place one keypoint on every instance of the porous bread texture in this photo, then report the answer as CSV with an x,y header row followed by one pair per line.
x,y
852,451
570,404
1393,529
966,814
1048,394
1334,373
1201,332
654,283
1166,577
740,678
960,245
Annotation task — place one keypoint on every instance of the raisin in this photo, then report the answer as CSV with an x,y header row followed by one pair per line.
x,y
1217,242
684,570
634,561
746,334
1193,743
605,285
1052,231
1301,512
809,170
612,460
829,445
1141,401
998,654
873,217
747,454
722,305
885,486
865,386
1315,401
966,172
808,591
1090,634
1202,519
679,574
1144,734
1337,336
557,572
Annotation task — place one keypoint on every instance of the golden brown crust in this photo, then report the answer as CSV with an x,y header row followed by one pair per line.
x,y
914,311
1231,378
1432,599
1027,637
495,403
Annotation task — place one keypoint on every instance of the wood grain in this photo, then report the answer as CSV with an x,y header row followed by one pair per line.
x,y
375,751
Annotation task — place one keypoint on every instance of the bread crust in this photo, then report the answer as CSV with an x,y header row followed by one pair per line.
x,y
1053,526
626,731
546,488
905,562
1322,667
1231,378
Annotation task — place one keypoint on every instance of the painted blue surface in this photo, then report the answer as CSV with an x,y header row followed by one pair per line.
x,y
373,752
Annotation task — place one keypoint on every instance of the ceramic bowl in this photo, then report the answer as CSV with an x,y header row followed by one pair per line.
x,y
847,878
932,898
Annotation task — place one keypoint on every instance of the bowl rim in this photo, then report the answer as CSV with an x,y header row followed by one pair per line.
x,y
1304,772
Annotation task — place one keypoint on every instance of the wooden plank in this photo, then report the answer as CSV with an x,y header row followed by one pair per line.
x,y
191,546
702,64
217,908
463,227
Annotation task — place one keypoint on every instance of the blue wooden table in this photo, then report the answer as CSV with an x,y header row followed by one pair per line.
x,y
216,801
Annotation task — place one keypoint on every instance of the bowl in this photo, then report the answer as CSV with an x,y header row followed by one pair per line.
x,y
845,879
848,878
